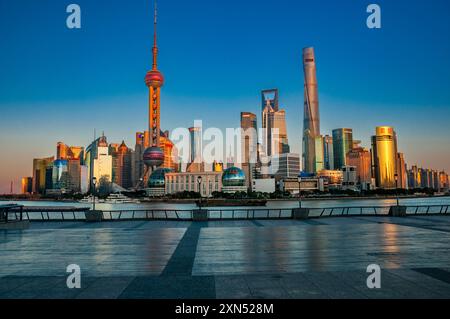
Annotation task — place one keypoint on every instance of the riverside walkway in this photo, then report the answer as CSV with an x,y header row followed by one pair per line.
x,y
284,258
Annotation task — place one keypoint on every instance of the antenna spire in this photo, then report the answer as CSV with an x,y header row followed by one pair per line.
x,y
155,46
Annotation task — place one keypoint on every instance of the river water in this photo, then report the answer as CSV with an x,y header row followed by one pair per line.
x,y
270,204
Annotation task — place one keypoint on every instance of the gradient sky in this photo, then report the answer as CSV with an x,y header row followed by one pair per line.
x,y
58,84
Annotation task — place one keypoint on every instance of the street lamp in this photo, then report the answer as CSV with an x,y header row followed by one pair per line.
x,y
300,191
94,182
396,188
199,181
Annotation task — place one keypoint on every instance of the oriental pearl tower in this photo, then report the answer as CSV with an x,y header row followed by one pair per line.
x,y
154,156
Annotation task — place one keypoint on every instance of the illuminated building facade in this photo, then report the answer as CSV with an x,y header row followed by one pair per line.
x,y
27,185
121,165
384,157
401,171
443,182
249,145
333,177
311,119
65,152
41,180
170,152
360,158
275,131
217,167
342,144
181,182
102,165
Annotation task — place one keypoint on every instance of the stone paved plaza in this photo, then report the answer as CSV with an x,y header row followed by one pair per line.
x,y
317,258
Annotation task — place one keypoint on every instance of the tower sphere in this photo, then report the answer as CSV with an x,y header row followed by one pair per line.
x,y
153,156
154,79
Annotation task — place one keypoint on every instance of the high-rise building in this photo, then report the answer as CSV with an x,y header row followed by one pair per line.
x,y
249,145
413,177
41,182
170,152
286,165
328,154
137,158
60,175
311,119
65,152
319,157
275,131
401,171
102,165
27,185
121,165
384,157
349,177
271,97
249,140
360,159
443,182
195,144
342,144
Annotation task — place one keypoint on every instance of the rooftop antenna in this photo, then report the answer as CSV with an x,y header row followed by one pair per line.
x,y
155,46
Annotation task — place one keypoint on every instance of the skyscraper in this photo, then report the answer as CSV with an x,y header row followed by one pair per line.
x,y
342,144
384,157
328,153
249,137
196,144
318,154
402,176
311,120
361,159
102,165
270,96
121,166
27,185
40,178
65,152
196,149
275,131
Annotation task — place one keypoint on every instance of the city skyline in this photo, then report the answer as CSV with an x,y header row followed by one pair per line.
x,y
409,138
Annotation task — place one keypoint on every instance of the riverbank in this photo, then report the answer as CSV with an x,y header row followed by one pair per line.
x,y
194,200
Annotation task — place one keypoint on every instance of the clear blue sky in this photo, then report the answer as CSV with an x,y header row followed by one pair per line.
x,y
58,84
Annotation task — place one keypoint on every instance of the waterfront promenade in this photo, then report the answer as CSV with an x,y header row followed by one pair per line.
x,y
316,258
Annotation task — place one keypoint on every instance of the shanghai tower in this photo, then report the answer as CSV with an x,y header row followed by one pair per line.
x,y
311,121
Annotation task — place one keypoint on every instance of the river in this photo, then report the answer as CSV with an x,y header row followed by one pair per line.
x,y
270,204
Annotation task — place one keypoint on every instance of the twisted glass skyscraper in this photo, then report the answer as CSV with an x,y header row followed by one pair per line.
x,y
311,122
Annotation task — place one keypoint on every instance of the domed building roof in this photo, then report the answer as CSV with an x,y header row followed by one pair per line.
x,y
233,176
156,179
